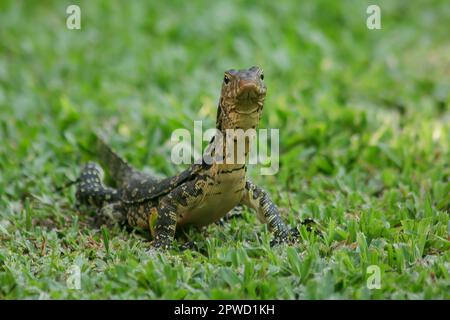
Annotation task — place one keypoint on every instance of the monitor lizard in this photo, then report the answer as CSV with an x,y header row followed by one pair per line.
x,y
199,195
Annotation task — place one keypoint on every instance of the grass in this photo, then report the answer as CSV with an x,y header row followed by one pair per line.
x,y
364,132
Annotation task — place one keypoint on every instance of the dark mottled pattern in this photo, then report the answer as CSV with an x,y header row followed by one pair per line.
x,y
144,189
257,199
158,204
91,190
168,211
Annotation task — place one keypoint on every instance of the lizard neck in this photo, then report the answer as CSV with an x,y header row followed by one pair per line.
x,y
231,145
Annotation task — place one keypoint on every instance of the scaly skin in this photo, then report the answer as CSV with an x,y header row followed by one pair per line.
x,y
200,195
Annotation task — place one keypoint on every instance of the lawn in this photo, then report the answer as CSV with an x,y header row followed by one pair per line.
x,y
364,145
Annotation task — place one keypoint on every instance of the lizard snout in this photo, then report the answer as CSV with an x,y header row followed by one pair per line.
x,y
249,89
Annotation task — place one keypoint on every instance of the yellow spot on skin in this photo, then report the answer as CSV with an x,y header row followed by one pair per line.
x,y
152,218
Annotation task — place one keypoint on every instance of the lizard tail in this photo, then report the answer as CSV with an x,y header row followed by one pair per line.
x,y
117,167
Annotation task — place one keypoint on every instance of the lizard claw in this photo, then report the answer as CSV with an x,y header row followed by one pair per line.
x,y
280,238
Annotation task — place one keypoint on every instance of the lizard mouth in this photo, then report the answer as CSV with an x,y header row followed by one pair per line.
x,y
248,106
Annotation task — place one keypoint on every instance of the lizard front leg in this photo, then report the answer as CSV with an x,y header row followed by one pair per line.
x,y
266,211
180,199
163,231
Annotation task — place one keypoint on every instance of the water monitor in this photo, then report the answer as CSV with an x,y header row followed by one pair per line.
x,y
201,194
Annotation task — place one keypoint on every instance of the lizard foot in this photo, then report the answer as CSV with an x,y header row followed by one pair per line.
x,y
160,245
290,237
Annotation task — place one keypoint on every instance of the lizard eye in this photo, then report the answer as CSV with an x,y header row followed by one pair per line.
x,y
226,79
261,76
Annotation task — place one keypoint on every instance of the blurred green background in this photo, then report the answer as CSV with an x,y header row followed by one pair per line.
x,y
364,133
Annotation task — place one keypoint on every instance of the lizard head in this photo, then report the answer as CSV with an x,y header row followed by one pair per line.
x,y
242,99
